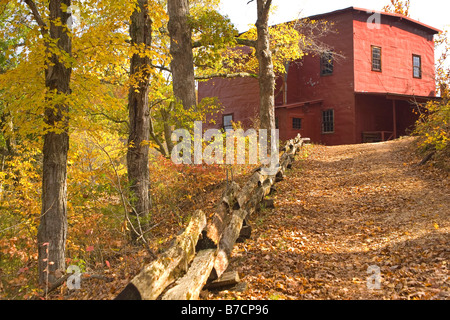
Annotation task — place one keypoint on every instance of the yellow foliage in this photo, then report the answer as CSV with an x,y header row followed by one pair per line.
x,y
284,43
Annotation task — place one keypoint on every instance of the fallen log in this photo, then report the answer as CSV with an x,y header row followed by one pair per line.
x,y
228,279
246,231
427,158
285,162
266,185
306,140
230,235
163,271
255,182
189,286
221,217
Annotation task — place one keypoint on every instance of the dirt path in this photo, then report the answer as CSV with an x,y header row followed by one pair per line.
x,y
344,209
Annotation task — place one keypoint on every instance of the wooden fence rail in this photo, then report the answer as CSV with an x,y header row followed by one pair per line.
x,y
201,253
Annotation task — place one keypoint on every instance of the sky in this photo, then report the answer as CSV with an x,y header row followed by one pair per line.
x,y
432,12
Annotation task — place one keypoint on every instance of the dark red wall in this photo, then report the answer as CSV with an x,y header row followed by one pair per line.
x,y
376,113
311,121
240,97
306,84
373,113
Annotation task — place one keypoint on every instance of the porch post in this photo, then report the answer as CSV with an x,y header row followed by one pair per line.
x,y
394,118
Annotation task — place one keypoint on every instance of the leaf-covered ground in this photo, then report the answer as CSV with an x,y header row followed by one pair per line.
x,y
342,210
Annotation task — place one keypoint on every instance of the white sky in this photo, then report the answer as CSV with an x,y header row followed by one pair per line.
x,y
432,12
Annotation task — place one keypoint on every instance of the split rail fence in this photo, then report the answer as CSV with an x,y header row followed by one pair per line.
x,y
200,255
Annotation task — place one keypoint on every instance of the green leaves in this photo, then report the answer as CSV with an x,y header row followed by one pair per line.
x,y
212,35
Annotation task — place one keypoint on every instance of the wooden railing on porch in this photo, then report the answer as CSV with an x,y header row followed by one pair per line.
x,y
377,136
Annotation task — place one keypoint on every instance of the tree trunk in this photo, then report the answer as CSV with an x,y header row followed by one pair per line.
x,y
139,117
266,73
166,115
182,64
53,225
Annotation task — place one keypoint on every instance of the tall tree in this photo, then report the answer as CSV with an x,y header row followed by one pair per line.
x,y
139,114
182,64
52,230
442,45
266,72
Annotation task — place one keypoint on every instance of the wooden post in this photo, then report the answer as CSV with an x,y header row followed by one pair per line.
x,y
394,118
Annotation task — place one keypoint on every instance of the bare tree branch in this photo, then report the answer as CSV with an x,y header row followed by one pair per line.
x,y
241,41
314,33
37,16
161,68
246,42
227,75
109,118
267,6
156,139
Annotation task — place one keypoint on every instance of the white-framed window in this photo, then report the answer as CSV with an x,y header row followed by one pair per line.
x,y
417,66
328,121
326,64
376,58
228,122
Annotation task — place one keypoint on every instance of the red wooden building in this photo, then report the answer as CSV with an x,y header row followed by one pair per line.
x,y
366,96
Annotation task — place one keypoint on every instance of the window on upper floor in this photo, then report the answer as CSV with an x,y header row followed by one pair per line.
x,y
326,64
417,66
227,122
328,121
376,58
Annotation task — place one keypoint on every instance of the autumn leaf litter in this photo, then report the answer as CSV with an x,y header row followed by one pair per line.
x,y
341,210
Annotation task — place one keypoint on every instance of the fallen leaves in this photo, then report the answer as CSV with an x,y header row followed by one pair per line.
x,y
339,212
344,209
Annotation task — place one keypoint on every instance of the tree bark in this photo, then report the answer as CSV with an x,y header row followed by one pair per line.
x,y
228,279
182,64
266,73
139,116
52,229
190,285
166,116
